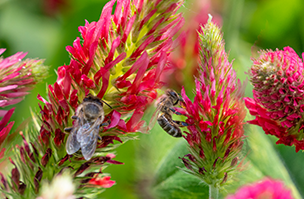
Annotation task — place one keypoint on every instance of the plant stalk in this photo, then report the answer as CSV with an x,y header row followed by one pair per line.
x,y
213,192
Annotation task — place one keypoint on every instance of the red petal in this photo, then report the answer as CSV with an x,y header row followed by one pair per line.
x,y
6,118
142,63
87,82
65,81
115,117
115,44
105,74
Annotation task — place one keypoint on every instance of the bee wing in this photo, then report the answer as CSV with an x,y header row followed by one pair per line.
x,y
88,148
72,145
87,136
154,117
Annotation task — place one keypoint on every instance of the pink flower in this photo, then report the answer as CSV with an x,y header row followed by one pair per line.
x,y
266,189
104,182
278,95
17,77
215,117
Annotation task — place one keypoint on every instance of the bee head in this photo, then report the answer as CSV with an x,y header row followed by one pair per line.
x,y
92,111
91,98
173,96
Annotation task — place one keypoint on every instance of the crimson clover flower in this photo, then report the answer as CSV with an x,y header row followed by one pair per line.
x,y
277,78
17,77
119,59
266,188
215,117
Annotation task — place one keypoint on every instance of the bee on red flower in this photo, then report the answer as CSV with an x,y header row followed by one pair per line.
x,y
89,118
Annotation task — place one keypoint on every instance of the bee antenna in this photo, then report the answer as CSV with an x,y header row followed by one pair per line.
x,y
107,104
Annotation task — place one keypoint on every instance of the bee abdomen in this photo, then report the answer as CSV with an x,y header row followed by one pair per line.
x,y
169,126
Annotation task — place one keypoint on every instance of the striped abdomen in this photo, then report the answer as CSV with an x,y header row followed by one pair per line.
x,y
169,126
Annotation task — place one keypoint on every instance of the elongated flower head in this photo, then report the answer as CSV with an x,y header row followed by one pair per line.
x,y
17,78
216,115
266,189
278,81
119,60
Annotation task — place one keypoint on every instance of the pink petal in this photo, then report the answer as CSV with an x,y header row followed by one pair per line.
x,y
64,80
136,117
142,47
11,102
15,94
5,131
142,62
2,50
127,30
2,112
115,118
89,63
10,87
118,12
105,74
10,76
115,44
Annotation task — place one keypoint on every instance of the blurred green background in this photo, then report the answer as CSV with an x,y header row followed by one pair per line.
x,y
43,28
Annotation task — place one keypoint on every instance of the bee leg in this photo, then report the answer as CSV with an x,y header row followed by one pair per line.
x,y
99,138
180,123
174,111
68,129
74,117
107,123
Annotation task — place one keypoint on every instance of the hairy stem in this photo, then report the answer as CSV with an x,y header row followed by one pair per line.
x,y
213,192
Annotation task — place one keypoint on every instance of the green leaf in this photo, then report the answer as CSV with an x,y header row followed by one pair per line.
x,y
262,161
181,185
170,182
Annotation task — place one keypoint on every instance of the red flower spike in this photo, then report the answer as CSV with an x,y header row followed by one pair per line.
x,y
279,114
215,117
108,61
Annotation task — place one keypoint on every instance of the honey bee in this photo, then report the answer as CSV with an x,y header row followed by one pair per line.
x,y
164,113
84,133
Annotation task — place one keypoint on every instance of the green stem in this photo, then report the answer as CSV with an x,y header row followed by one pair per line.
x,y
213,192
